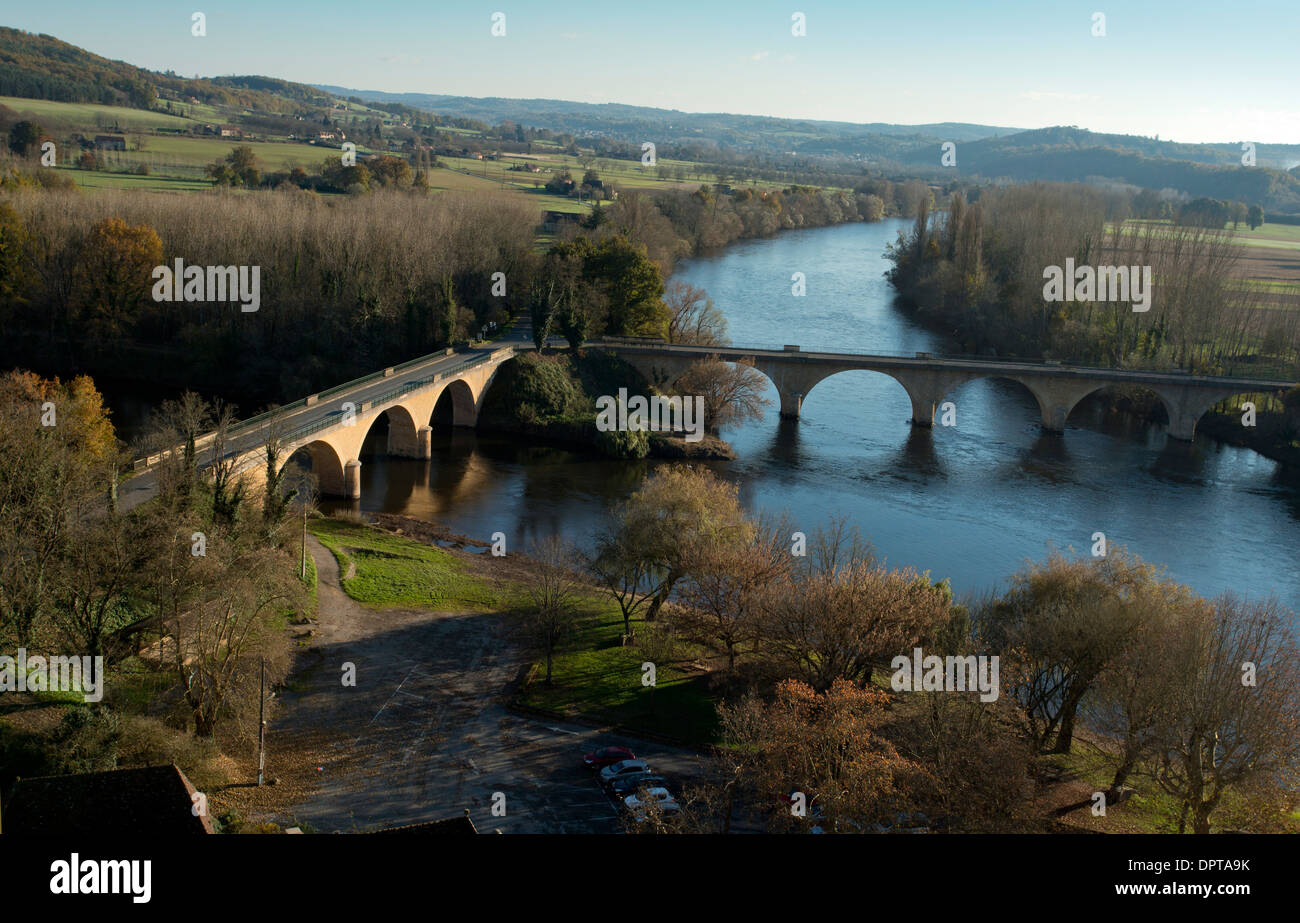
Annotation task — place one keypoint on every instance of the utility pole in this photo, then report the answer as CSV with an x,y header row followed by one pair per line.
x,y
304,539
261,726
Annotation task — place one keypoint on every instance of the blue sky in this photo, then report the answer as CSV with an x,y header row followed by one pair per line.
x,y
1182,69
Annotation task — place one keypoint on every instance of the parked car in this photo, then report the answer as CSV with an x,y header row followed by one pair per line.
x,y
636,804
607,756
622,767
630,783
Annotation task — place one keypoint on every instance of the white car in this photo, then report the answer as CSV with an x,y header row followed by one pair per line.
x,y
609,773
636,804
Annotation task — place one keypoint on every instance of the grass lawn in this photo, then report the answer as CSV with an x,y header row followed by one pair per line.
x,y
386,571
1150,809
597,677
1273,236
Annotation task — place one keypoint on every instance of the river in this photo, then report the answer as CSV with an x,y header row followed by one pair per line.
x,y
970,502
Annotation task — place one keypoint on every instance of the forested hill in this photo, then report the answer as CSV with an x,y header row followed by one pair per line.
x,y
42,67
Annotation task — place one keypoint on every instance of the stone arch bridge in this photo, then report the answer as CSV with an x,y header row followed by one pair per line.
x,y
332,425
928,380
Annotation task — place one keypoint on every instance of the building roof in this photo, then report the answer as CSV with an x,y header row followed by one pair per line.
x,y
152,800
453,826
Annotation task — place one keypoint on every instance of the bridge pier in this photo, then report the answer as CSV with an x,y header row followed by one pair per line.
x,y
1186,405
791,404
352,480
403,441
923,408
424,442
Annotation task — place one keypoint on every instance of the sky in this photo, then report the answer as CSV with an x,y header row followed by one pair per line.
x,y
1187,70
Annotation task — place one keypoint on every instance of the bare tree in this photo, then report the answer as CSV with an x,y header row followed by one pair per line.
x,y
553,587
726,583
693,318
1238,707
624,573
733,392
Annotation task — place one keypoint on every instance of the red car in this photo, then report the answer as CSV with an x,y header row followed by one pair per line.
x,y
607,757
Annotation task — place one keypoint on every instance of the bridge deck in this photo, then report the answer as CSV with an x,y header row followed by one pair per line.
x,y
991,366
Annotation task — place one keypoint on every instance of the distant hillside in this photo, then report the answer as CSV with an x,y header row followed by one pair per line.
x,y
42,67
1076,155
638,123
1062,138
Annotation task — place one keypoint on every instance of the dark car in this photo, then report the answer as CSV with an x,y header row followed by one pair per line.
x,y
606,757
630,784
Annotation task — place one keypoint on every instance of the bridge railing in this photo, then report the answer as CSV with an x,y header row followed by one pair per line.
x,y
1240,369
243,426
307,429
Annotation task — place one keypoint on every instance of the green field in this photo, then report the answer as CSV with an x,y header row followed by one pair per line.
x,y
1273,236
94,179
382,570
92,115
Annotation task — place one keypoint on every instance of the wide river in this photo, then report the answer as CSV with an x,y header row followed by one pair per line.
x,y
971,502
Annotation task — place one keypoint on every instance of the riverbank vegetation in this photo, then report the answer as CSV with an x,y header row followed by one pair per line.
x,y
763,642
976,272
1115,682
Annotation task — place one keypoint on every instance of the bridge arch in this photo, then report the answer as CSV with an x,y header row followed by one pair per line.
x,y
403,432
325,464
457,404
1160,399
792,401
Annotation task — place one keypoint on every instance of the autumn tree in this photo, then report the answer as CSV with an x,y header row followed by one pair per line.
x,y
674,511
726,582
115,275
827,746
1066,620
60,456
220,641
840,612
1136,696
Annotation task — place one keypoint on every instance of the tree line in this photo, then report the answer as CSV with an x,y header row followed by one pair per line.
x,y
1195,699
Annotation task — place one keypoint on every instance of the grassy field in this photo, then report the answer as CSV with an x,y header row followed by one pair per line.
x,y
596,677
1270,236
384,571
93,115
93,179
